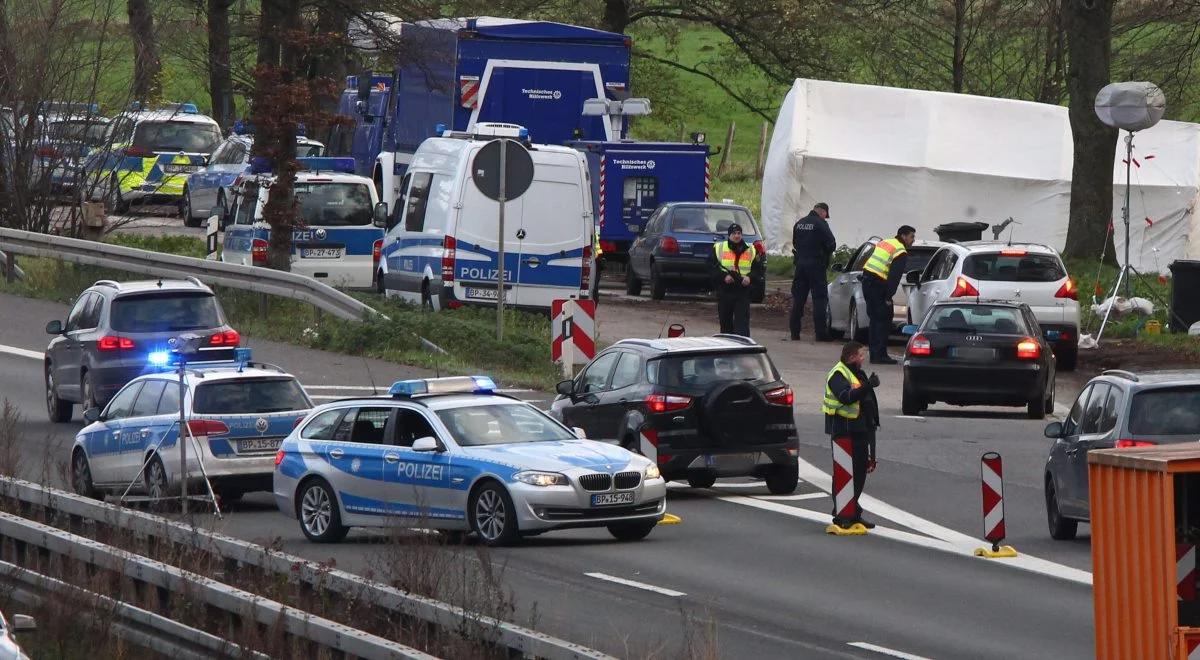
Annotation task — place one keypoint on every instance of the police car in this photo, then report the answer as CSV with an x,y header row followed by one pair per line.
x,y
452,454
237,413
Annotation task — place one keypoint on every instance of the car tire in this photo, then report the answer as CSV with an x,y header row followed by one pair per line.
x,y
1061,528
81,477
224,210
379,283
633,285
632,531
910,402
1068,357
658,288
186,209
702,479
155,478
783,479
317,511
1036,408
493,516
59,410
87,393
426,297
830,331
860,335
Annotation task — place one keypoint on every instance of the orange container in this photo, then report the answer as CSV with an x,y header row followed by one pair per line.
x,y
1145,512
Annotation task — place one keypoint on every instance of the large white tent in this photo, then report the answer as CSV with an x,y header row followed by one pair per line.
x,y
882,157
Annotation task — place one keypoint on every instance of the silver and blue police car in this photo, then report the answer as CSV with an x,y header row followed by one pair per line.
x,y
453,454
237,414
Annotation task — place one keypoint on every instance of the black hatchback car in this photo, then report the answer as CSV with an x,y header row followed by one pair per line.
x,y
114,326
701,407
979,353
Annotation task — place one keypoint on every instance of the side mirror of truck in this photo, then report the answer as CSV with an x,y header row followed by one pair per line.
x,y
381,215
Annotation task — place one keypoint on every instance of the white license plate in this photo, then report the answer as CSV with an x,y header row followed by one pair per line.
x,y
482,294
711,460
320,253
180,169
258,444
609,499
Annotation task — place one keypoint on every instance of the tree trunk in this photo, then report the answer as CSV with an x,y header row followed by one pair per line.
x,y
1088,26
6,56
616,15
220,76
960,56
333,63
147,69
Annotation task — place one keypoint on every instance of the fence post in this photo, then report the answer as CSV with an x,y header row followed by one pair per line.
x,y
762,150
728,147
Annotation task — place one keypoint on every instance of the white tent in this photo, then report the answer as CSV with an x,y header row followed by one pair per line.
x,y
882,157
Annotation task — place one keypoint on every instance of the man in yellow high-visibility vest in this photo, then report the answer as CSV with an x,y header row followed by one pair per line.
x,y
880,279
851,410
733,273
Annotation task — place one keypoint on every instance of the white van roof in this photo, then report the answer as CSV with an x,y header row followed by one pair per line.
x,y
442,155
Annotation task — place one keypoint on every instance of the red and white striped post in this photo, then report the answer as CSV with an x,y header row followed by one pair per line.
x,y
991,473
1185,571
844,502
707,179
603,188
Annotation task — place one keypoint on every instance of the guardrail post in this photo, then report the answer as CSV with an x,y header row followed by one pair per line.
x,y
264,305
10,267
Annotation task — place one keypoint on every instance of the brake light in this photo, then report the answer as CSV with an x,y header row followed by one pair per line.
x,y
1068,290
919,345
449,248
1012,253
227,338
115,344
1126,443
669,245
278,457
1028,349
258,252
376,250
207,427
782,396
608,246
48,152
138,152
585,274
963,287
661,403
760,250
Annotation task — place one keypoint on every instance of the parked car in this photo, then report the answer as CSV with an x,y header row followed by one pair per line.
x,y
979,353
847,311
673,248
1115,409
1026,272
114,326
701,407
9,648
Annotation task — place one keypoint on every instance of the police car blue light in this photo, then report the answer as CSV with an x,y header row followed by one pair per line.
x,y
159,358
450,385
327,164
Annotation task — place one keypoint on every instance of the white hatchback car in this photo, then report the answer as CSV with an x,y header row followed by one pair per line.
x,y
1021,272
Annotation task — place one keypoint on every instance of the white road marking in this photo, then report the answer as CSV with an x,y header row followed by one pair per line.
x,y
637,585
886,651
795,498
918,418
20,352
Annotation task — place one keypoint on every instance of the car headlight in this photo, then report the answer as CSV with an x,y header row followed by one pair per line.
x,y
652,472
542,478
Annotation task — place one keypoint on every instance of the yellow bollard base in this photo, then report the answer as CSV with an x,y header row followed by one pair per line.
x,y
1003,552
857,529
670,519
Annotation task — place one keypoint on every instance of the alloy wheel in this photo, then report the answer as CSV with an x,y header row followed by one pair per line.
x,y
490,515
316,510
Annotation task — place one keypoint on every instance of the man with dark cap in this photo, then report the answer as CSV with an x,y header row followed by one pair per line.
x,y
812,246
880,279
733,274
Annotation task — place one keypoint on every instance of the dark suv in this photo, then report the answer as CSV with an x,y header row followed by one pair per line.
x,y
701,407
114,326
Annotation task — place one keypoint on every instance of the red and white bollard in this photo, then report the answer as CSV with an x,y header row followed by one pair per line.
x,y
991,472
1185,571
845,504
648,444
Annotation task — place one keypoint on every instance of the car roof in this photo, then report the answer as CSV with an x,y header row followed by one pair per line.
x,y
980,302
1156,378
144,286
921,243
986,246
200,373
170,115
442,401
693,344
712,205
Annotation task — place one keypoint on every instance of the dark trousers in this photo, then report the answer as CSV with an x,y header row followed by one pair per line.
x,y
861,453
809,277
879,312
733,310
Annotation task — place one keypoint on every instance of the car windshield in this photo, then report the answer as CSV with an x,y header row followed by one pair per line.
x,y
710,220
983,319
250,396
500,424
90,133
165,312
309,150
1014,266
334,204
177,136
1168,411
704,370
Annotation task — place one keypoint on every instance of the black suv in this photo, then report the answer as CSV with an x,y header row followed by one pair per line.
x,y
114,326
701,407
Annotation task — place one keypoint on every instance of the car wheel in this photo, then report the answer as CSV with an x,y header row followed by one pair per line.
x,y
426,297
379,283
830,331
632,531
856,333
658,288
81,477
633,286
910,402
1061,529
87,398
493,516
157,485
186,210
1067,357
782,479
317,509
221,203
702,479
59,410
1036,408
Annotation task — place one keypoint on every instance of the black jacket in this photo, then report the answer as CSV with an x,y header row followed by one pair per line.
x,y
717,273
812,240
868,405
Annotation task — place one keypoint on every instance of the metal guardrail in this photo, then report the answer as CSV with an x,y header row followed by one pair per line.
x,y
516,639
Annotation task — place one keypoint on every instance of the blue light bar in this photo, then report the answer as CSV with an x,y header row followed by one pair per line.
x,y
523,133
344,165
484,385
242,355
189,108
439,129
159,358
301,131
407,388
450,385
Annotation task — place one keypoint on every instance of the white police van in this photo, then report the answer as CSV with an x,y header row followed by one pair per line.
x,y
443,239
342,221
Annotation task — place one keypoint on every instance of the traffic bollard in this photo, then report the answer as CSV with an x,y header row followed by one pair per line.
x,y
844,501
991,472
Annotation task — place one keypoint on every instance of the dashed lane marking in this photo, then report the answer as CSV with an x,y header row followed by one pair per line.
x,y
636,585
885,651
20,352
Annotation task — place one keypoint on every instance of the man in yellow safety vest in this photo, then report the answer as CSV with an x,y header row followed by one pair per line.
x,y
851,410
880,279
733,273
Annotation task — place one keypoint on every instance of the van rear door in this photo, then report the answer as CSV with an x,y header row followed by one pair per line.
x,y
544,97
554,217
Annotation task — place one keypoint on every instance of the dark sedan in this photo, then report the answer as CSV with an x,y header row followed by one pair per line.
x,y
979,353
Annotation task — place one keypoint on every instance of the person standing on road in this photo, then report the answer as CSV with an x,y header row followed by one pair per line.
x,y
733,274
812,246
880,279
851,410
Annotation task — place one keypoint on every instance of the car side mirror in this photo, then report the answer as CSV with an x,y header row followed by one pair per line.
x,y
1054,430
381,215
54,328
565,387
427,444
579,433
838,268
912,277
23,623
909,330
91,415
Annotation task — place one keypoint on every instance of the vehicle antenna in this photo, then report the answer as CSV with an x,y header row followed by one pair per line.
x,y
367,366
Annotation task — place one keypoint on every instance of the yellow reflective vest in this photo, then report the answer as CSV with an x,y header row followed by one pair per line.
x,y
733,262
885,252
831,405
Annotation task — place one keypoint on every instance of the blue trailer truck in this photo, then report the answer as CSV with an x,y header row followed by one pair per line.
x,y
532,73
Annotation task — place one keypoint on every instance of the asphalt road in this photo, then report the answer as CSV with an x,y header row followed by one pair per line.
x,y
746,574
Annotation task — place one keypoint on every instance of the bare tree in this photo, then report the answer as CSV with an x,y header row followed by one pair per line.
x,y
147,68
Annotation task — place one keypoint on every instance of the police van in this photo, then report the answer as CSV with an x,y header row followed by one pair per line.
x,y
340,234
442,240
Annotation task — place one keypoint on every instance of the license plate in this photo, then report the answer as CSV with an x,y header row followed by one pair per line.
x,y
970,353
702,249
320,253
711,460
482,294
609,499
258,444
180,169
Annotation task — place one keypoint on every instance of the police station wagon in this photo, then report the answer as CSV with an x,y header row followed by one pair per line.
x,y
452,454
236,415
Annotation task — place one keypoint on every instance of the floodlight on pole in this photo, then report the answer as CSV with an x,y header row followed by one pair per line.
x,y
616,111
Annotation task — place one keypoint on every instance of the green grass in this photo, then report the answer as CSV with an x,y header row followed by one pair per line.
x,y
1089,273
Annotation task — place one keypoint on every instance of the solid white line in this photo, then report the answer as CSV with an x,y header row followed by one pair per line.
x,y
20,352
636,585
886,651
794,498
919,418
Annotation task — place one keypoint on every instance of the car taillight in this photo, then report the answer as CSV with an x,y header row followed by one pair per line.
x,y
138,152
669,245
258,252
376,250
782,396
207,427
227,338
1028,349
115,344
661,403
449,247
48,152
1068,290
608,246
1012,253
278,457
919,345
1125,442
963,287
760,250
585,275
